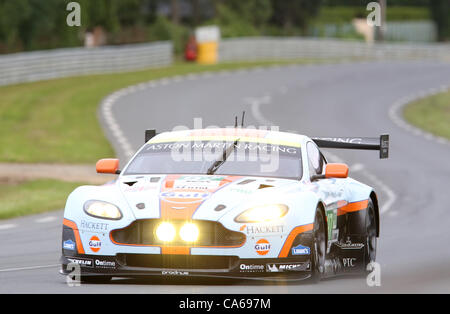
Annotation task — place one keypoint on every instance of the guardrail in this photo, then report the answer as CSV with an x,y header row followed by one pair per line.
x,y
266,48
43,65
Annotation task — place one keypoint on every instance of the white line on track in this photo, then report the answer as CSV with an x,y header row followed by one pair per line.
x,y
27,268
7,226
46,219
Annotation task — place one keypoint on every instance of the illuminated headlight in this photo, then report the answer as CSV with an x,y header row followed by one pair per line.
x,y
104,210
166,232
263,213
189,232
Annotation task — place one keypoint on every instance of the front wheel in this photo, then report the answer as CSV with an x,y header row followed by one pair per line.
x,y
319,247
371,234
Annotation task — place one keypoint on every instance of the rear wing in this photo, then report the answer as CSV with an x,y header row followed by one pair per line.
x,y
366,143
149,134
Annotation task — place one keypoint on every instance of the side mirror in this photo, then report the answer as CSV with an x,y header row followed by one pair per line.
x,y
336,171
108,166
333,171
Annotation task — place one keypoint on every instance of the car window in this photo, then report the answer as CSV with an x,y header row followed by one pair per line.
x,y
315,158
248,159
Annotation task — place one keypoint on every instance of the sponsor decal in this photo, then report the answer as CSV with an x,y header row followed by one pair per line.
x,y
286,267
348,140
241,191
140,188
348,245
262,247
174,273
301,250
85,262
182,197
69,245
93,226
197,183
349,262
264,229
95,244
104,264
201,178
251,268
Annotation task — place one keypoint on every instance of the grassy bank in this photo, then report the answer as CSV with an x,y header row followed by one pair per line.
x,y
56,121
431,114
33,197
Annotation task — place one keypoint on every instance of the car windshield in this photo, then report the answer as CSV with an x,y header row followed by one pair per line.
x,y
245,159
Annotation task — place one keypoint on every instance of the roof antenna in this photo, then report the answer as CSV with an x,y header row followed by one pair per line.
x,y
243,116
235,122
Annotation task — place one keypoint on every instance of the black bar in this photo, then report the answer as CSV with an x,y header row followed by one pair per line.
x,y
361,143
149,134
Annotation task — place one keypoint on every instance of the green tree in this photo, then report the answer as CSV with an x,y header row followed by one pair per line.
x,y
256,12
34,24
294,14
440,11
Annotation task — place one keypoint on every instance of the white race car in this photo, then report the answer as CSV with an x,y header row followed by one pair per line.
x,y
240,203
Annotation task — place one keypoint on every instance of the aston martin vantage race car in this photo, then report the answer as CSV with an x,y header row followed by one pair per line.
x,y
239,203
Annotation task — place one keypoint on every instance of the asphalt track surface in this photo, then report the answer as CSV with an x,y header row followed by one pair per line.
x,y
349,99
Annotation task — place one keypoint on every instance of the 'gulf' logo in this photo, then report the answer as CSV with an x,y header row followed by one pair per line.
x,y
95,244
262,247
184,197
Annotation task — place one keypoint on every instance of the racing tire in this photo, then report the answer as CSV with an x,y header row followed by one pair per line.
x,y
370,251
319,247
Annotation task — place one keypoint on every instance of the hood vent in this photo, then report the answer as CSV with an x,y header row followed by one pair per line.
x,y
246,182
220,207
263,186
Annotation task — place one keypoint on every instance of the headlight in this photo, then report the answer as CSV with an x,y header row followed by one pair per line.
x,y
189,232
100,209
166,232
263,213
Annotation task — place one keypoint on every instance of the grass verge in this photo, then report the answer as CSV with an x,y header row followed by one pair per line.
x,y
431,114
55,121
33,197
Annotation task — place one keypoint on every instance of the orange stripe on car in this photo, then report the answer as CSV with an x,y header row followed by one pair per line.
x,y
74,227
353,207
174,206
175,250
291,237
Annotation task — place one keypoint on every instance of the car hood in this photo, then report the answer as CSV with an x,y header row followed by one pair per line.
x,y
197,196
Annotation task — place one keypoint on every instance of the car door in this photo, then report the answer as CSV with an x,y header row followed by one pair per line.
x,y
331,191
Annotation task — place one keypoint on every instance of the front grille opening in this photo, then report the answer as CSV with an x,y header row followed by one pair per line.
x,y
206,262
212,234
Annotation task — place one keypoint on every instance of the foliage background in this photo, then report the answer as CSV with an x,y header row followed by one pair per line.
x,y
36,24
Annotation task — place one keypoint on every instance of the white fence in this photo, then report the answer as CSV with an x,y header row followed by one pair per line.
x,y
267,48
43,65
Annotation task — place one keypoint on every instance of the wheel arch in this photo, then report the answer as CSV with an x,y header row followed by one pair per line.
x,y
321,205
374,198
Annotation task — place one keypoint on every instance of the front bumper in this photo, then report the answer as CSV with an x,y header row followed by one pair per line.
x,y
138,265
